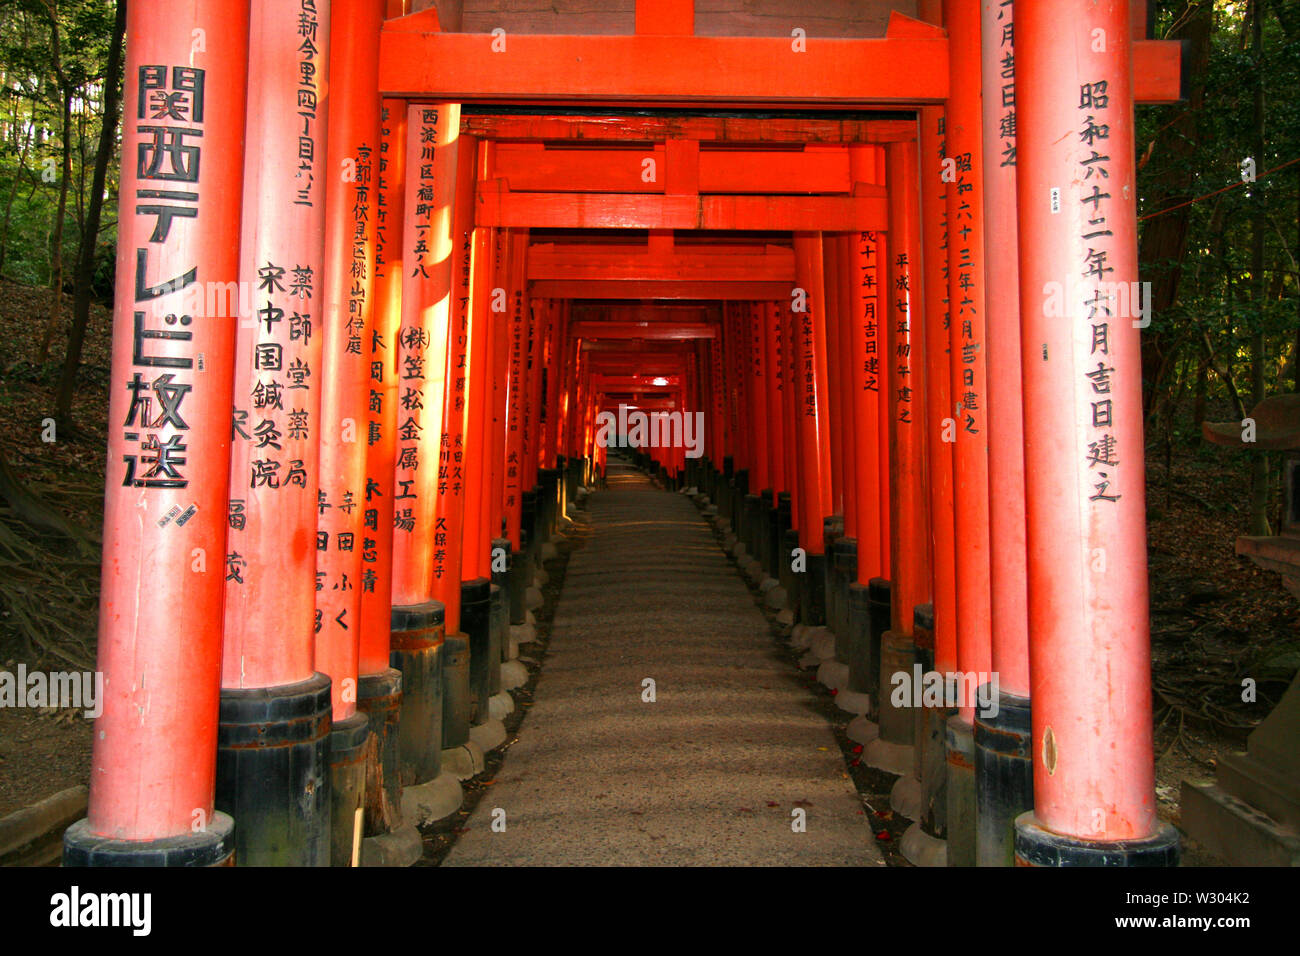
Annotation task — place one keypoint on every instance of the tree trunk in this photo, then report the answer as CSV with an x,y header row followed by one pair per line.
x,y
1163,241
1258,460
90,235
65,182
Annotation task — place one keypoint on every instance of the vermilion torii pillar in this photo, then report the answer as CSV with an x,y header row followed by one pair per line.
x,y
347,307
1003,776
268,670
778,455
866,352
967,343
511,358
152,768
379,686
909,534
809,335
472,284
844,558
939,433
418,619
1089,651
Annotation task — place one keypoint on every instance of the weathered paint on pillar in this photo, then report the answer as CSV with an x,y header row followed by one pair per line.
x,y
475,249
345,366
866,351
1007,611
1090,653
422,367
516,383
909,531
941,426
275,454
847,394
166,503
884,411
500,358
449,511
967,340
834,390
777,378
811,389
383,394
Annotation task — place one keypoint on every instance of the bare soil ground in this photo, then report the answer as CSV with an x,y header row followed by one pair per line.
x,y
1216,619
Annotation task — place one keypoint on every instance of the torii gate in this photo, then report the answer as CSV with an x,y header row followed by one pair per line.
x,y
392,185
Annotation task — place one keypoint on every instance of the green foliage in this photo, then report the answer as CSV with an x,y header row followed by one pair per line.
x,y
33,88
1216,293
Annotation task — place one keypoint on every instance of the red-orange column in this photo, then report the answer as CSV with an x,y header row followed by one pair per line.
x,y
379,686
419,621
383,395
423,362
883,409
1090,664
474,266
499,340
516,383
449,513
831,277
554,378
905,398
909,530
941,427
268,652
1010,639
718,398
345,368
813,424
847,394
271,569
790,400
777,377
754,324
940,430
967,341
165,509
868,593
483,369
865,354
541,318
1004,779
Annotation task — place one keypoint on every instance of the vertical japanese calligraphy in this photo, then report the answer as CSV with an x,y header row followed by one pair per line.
x,y
170,396
422,364
347,306
275,445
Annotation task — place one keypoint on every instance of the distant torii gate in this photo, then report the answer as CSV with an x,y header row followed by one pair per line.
x,y
391,432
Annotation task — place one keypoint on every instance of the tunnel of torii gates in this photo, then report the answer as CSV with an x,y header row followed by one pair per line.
x,y
890,273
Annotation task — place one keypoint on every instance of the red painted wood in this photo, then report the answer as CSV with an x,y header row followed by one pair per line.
x,y
271,563
1090,661
941,427
1008,616
162,590
968,342
661,70
498,206
909,541
383,395
347,315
